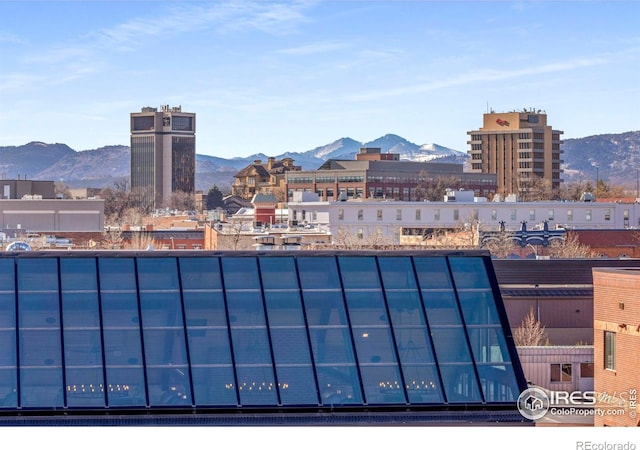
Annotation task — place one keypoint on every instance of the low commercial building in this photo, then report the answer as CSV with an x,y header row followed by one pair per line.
x,y
50,215
15,189
376,175
398,220
559,367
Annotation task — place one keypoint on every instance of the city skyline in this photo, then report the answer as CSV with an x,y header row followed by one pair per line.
x,y
276,77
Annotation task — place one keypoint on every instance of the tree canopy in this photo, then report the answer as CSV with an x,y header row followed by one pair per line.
x,y
215,198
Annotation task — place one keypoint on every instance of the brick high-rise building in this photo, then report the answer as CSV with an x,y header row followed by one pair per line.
x,y
520,148
163,153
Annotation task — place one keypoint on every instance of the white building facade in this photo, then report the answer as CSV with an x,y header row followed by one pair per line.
x,y
390,219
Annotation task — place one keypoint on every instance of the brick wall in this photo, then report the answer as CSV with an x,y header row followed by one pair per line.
x,y
617,310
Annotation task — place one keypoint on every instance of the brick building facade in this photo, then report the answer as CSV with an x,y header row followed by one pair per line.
x,y
616,345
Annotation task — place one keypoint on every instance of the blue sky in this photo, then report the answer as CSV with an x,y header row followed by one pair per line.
x,y
276,76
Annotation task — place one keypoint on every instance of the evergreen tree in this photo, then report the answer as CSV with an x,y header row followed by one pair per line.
x,y
214,198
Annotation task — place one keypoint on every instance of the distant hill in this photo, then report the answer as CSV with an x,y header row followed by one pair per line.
x,y
90,168
31,159
103,166
617,157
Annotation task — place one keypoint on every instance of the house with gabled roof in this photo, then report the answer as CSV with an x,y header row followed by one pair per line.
x,y
259,178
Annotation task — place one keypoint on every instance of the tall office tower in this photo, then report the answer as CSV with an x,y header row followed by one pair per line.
x,y
163,154
520,148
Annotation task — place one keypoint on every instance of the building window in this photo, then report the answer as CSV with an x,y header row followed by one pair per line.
x,y
360,233
360,214
494,215
341,214
586,370
560,373
418,214
456,214
514,214
329,193
181,123
569,215
314,215
551,214
532,214
609,350
607,214
398,214
379,214
436,215
588,215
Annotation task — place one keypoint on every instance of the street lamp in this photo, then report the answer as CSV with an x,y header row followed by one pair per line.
x,y
596,165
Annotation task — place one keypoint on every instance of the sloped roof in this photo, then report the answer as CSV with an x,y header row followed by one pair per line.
x,y
277,167
259,170
332,337
264,198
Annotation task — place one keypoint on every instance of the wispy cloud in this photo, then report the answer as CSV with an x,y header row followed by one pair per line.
x,y
19,81
76,58
368,57
483,76
269,17
56,54
315,48
11,39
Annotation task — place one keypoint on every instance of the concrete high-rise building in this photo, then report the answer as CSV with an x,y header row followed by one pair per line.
x,y
163,153
520,148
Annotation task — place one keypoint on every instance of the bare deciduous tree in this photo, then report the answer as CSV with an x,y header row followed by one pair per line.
x,y
346,239
534,189
570,247
573,191
530,332
61,190
434,189
112,239
182,201
141,241
501,244
119,203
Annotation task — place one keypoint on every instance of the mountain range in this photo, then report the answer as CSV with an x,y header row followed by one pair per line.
x,y
614,158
